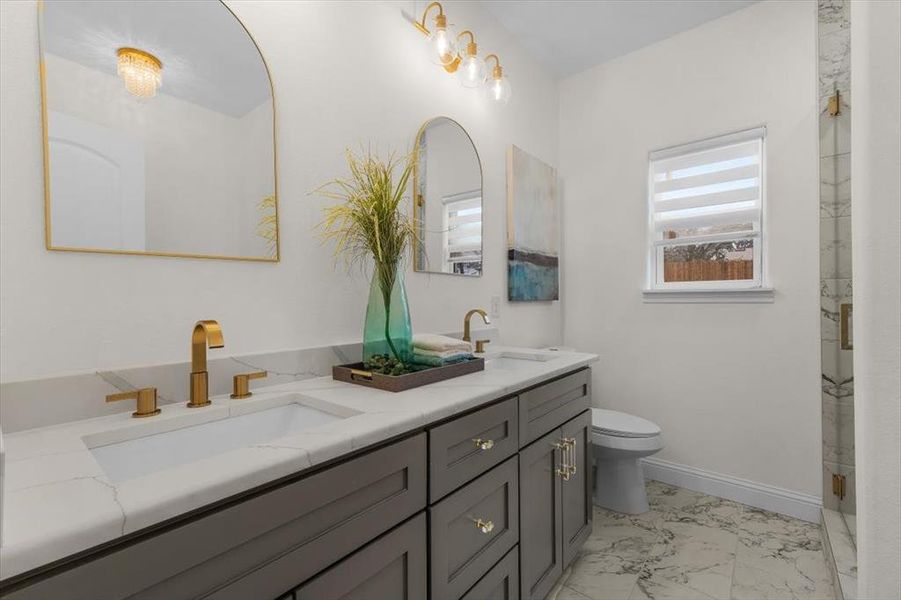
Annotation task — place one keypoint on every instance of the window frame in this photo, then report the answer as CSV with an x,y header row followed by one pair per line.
x,y
447,202
656,288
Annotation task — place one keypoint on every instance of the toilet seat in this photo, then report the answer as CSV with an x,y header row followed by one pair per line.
x,y
611,423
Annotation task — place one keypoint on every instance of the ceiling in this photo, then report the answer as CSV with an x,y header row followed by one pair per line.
x,y
208,58
569,36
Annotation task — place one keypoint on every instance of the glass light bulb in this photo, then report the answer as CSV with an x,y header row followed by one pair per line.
x,y
472,71
442,45
499,89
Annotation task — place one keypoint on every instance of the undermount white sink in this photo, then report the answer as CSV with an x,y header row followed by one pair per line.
x,y
141,456
517,355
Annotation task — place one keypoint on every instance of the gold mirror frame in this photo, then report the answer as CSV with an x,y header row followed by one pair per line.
x,y
48,244
418,267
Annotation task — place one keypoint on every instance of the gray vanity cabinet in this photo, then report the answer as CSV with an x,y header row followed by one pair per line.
x,y
555,506
393,566
490,505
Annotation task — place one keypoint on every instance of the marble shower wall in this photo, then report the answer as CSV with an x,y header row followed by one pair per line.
x,y
834,32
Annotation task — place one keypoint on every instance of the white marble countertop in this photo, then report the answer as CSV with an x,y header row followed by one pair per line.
x,y
58,499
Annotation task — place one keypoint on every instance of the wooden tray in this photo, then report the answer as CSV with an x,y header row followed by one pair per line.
x,y
356,373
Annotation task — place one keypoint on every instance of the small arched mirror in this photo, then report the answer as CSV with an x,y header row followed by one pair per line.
x,y
447,184
158,131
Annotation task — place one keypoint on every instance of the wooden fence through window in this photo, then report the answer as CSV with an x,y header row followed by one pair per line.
x,y
708,270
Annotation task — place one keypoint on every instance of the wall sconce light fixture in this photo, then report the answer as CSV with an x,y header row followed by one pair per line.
x,y
141,71
469,66
448,50
441,39
497,87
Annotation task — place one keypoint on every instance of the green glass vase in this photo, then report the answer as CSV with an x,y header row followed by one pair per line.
x,y
387,329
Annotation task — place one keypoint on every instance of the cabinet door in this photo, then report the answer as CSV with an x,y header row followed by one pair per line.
x,y
394,566
576,487
541,536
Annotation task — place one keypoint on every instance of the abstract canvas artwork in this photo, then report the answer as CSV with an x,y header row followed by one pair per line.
x,y
532,229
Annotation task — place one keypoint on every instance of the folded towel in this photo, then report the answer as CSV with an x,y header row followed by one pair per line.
x,y
439,343
435,361
445,354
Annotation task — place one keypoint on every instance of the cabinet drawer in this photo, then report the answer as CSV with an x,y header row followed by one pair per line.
x,y
467,447
262,546
462,551
547,407
392,567
501,582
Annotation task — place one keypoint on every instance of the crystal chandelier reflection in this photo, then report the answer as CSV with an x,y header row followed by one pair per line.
x,y
141,71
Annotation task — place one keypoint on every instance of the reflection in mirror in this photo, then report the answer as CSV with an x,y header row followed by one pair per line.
x,y
448,200
159,130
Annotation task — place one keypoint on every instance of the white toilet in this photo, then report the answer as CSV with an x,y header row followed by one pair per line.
x,y
618,442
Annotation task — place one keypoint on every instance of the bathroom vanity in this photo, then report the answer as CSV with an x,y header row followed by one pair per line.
x,y
479,487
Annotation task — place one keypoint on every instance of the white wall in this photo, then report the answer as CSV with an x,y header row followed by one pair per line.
x,y
735,387
344,74
876,189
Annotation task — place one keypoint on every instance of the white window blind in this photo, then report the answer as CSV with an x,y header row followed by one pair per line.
x,y
463,228
706,208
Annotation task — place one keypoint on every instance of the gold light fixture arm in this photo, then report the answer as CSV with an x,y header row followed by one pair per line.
x,y
498,71
471,50
472,38
440,18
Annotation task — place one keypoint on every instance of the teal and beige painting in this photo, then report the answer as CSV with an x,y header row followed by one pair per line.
x,y
532,229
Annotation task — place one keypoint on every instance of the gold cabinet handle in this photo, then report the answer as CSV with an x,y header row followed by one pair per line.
x,y
146,398
483,444
845,326
480,346
241,383
571,462
563,469
484,526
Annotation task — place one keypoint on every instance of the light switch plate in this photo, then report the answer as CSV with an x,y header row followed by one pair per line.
x,y
495,307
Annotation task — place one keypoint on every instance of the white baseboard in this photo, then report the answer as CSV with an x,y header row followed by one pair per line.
x,y
758,495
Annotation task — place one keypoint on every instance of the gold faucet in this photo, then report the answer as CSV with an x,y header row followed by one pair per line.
x,y
204,331
482,313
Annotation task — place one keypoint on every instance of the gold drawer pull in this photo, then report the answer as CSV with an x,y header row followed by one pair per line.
x,y
483,444
484,526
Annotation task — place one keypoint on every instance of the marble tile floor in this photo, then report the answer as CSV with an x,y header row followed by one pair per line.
x,y
691,546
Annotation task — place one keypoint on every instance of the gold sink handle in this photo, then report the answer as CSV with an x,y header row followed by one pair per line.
x,y
146,398
241,383
480,346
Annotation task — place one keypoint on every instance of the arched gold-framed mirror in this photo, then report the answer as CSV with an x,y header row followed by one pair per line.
x,y
159,131
447,200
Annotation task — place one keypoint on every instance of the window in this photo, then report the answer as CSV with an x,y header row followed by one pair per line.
x,y
463,233
705,206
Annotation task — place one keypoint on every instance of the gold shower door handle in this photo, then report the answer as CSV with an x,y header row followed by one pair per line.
x,y
845,311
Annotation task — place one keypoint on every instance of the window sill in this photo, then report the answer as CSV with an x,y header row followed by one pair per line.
x,y
710,296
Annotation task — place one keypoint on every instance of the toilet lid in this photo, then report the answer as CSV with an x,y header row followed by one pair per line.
x,y
620,424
